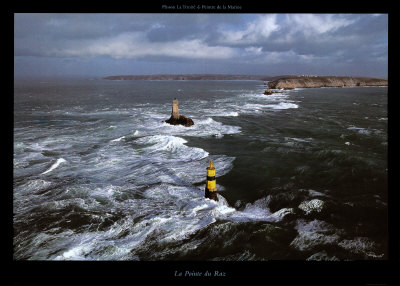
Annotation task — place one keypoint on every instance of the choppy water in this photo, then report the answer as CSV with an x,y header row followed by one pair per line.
x,y
98,175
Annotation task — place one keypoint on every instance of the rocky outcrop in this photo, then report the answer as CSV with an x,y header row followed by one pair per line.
x,y
324,81
178,119
268,92
182,120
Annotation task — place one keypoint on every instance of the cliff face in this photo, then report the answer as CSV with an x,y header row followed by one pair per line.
x,y
325,81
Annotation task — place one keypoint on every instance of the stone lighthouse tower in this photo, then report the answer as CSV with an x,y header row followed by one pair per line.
x,y
177,118
175,109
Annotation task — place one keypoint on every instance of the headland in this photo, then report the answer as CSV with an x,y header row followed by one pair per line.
x,y
274,82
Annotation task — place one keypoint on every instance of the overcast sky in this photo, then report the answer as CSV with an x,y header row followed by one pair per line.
x,y
264,44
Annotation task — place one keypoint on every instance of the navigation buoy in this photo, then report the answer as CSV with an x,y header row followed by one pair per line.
x,y
211,183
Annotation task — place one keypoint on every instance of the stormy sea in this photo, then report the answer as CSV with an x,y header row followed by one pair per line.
x,y
98,175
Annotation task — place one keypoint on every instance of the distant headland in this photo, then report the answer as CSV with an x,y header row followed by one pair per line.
x,y
189,77
274,82
324,81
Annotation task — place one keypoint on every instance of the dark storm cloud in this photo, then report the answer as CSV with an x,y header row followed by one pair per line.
x,y
233,43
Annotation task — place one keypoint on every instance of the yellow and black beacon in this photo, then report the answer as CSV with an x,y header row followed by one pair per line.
x,y
211,183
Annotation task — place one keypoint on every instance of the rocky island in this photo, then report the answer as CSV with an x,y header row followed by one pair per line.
x,y
292,82
178,119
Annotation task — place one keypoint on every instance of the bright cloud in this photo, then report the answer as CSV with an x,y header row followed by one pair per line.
x,y
254,50
256,31
136,45
309,24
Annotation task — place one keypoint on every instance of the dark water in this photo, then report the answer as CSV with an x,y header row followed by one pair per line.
x,y
98,176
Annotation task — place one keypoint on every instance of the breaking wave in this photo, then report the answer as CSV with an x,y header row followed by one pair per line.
x,y
55,165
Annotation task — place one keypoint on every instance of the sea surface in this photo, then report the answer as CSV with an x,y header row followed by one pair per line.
x,y
98,174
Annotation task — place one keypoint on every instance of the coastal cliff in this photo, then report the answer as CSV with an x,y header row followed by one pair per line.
x,y
324,81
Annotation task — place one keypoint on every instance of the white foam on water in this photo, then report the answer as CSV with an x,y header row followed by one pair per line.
x,y
170,213
220,113
19,146
282,105
322,256
311,206
154,123
261,96
315,233
314,193
75,253
152,166
280,214
19,164
360,130
59,142
291,141
118,139
165,213
253,106
232,113
258,211
312,226
299,139
55,165
173,145
259,214
201,128
33,186
257,107
306,240
358,245
35,147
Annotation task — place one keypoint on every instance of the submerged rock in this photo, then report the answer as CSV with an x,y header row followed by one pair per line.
x,y
177,118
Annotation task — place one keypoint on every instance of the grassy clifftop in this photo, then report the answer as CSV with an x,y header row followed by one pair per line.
x,y
324,81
